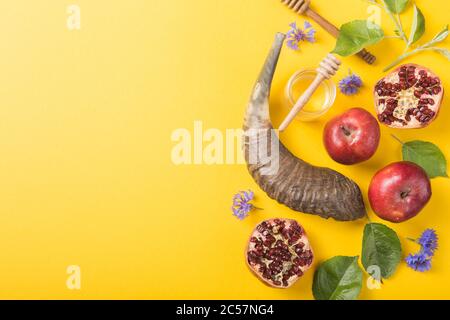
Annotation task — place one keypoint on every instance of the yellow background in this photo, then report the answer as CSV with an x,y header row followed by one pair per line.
x,y
86,176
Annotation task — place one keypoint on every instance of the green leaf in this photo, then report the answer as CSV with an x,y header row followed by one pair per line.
x,y
418,26
356,35
444,52
441,36
381,247
396,6
427,155
339,278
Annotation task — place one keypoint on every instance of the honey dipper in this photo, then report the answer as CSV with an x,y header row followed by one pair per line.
x,y
327,68
302,7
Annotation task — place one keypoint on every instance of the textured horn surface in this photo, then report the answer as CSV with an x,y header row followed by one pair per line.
x,y
297,184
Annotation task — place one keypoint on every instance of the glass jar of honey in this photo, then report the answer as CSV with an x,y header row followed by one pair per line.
x,y
320,102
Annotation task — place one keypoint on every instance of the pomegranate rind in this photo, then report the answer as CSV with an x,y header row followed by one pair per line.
x,y
408,95
303,239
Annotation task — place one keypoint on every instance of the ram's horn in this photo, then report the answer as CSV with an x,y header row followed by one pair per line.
x,y
284,177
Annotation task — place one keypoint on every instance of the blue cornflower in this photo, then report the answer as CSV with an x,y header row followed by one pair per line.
x,y
295,35
350,85
419,262
428,241
241,204
428,244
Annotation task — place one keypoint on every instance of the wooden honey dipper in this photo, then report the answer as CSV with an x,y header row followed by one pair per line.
x,y
302,7
327,68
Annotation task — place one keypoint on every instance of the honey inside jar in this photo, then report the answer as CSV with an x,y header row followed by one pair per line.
x,y
319,103
318,99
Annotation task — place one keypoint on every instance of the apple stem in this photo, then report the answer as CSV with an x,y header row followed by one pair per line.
x,y
396,138
346,131
404,194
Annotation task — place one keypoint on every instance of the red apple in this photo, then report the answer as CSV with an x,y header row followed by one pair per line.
x,y
399,191
352,137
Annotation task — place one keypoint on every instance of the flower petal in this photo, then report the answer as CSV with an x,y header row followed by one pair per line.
x,y
292,44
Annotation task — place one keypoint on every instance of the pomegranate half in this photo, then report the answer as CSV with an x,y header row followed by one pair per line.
x,y
279,252
409,97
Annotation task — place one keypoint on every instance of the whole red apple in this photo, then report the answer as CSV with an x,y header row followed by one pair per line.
x,y
352,137
399,191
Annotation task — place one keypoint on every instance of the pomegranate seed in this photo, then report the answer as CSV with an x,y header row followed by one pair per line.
x,y
272,256
436,90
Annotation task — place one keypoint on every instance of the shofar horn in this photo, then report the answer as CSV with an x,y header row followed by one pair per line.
x,y
295,183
